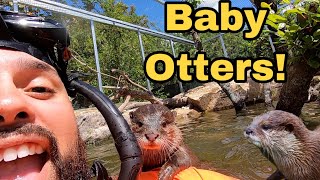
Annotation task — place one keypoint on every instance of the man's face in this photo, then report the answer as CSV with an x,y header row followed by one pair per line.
x,y
39,138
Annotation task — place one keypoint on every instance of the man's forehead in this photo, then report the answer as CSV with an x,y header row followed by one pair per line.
x,y
33,64
24,61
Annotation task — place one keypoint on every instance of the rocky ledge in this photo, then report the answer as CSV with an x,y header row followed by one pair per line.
x,y
208,97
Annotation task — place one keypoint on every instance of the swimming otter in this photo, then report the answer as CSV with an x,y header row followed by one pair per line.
x,y
160,140
284,140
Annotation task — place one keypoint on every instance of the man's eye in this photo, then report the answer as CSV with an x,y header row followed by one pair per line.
x,y
41,90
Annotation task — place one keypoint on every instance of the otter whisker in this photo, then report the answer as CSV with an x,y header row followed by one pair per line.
x,y
159,138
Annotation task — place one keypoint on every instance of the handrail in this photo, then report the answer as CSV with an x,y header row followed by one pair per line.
x,y
66,9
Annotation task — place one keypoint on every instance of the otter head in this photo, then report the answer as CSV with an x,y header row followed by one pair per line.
x,y
278,134
154,127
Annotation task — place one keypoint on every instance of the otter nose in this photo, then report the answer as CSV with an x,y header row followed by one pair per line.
x,y
249,131
152,137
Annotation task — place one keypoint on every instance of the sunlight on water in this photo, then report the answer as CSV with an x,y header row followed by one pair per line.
x,y
217,139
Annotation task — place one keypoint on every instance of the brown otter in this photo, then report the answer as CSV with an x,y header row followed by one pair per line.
x,y
284,139
160,140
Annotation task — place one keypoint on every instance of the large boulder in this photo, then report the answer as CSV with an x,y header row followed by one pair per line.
x,y
186,115
91,125
254,90
210,96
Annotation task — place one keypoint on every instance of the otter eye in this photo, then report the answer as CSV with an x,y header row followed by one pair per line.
x,y
265,126
164,124
131,115
140,124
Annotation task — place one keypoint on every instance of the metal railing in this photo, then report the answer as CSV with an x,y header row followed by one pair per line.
x,y
94,17
220,36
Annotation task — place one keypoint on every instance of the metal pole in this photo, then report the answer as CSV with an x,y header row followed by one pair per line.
x,y
174,54
216,36
270,40
143,57
15,6
223,46
96,55
272,45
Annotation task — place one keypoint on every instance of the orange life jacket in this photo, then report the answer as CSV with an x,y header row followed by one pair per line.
x,y
191,173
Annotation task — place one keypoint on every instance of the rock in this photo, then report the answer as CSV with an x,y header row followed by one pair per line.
x,y
92,126
254,91
210,97
275,90
186,115
206,97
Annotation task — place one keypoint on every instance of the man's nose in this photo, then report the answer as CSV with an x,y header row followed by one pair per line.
x,y
13,106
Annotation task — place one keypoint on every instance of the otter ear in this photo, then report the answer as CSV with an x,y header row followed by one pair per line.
x,y
131,115
174,113
289,127
169,116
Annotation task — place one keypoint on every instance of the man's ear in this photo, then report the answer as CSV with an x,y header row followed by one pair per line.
x,y
289,127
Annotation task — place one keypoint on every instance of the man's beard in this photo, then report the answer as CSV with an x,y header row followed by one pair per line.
x,y
73,166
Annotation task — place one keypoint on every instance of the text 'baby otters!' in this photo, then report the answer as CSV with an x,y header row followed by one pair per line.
x,y
161,67
181,17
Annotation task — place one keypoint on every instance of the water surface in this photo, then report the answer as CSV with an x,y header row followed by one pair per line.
x,y
218,141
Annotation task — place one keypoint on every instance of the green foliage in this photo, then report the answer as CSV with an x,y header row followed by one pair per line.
x,y
195,3
118,48
236,46
261,47
298,29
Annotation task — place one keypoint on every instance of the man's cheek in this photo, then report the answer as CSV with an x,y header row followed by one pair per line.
x,y
63,126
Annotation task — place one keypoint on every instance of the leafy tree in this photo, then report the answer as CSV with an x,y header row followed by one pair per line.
x,y
297,31
118,48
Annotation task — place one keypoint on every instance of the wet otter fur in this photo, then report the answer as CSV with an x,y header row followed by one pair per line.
x,y
160,140
284,139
